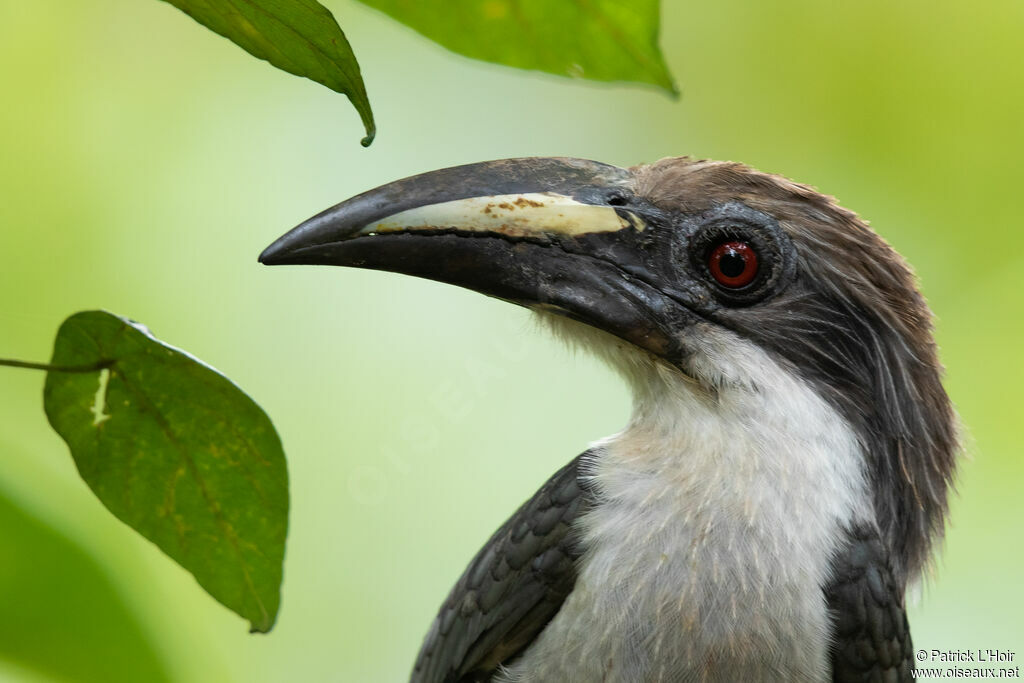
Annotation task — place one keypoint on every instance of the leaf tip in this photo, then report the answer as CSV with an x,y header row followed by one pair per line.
x,y
662,77
367,140
264,624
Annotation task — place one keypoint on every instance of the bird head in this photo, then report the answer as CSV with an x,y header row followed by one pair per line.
x,y
688,265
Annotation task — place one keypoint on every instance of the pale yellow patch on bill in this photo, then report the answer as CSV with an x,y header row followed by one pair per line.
x,y
517,215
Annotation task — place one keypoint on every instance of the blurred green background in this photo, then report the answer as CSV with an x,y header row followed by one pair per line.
x,y
145,162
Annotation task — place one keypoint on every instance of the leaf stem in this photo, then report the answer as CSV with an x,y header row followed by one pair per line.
x,y
93,367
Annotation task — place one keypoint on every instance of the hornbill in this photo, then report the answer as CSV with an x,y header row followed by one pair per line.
x,y
784,473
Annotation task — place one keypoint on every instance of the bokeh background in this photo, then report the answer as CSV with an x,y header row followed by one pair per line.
x,y
145,162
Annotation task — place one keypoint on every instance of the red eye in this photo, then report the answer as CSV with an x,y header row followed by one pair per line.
x,y
733,264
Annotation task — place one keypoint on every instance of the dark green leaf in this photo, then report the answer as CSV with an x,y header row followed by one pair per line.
x,y
179,453
298,36
602,40
63,616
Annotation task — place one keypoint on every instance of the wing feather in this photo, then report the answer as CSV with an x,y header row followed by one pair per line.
x,y
871,642
512,588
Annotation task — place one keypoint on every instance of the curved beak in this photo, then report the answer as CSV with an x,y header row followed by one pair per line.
x,y
559,234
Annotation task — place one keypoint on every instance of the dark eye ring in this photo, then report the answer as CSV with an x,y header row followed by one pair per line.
x,y
733,264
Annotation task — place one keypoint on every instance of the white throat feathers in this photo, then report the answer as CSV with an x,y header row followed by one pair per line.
x,y
719,509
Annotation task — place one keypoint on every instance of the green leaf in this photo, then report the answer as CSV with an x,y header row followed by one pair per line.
x,y
177,452
297,36
63,615
601,40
